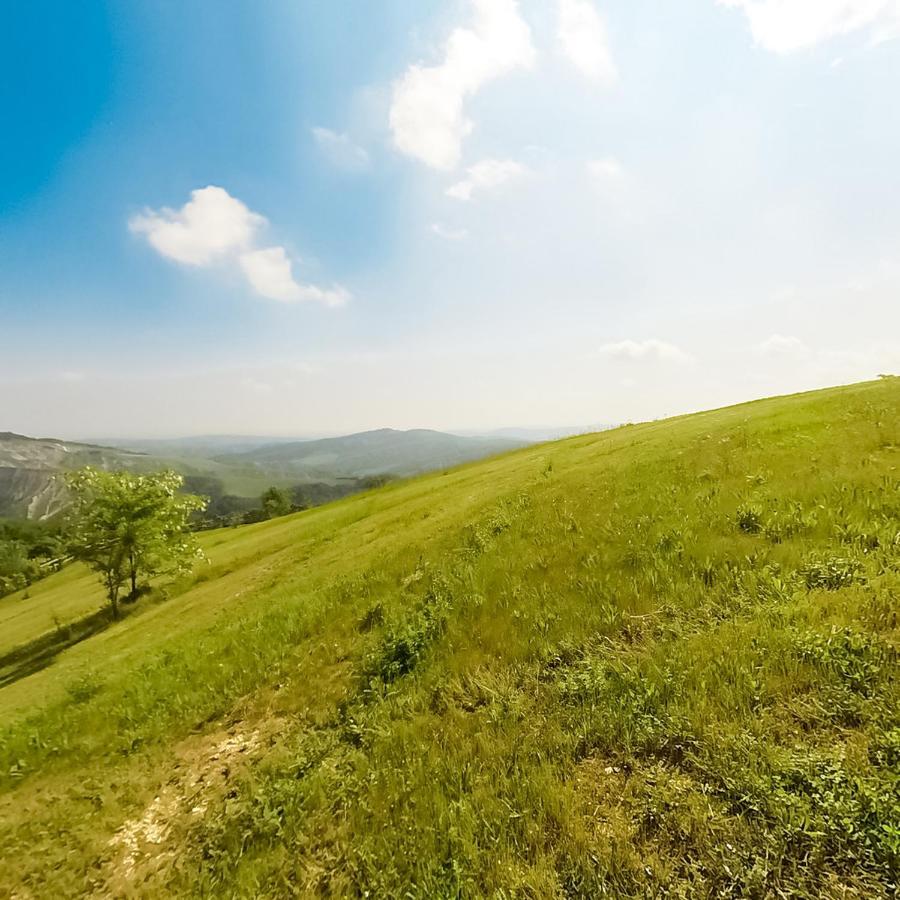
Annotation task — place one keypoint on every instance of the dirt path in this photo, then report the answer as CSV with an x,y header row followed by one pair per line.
x,y
144,845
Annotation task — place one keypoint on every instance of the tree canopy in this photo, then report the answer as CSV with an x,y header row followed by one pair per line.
x,y
275,502
130,527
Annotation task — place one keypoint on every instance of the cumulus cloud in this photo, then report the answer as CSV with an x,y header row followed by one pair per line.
x,y
210,225
486,176
427,117
215,228
271,275
783,345
583,37
449,234
785,26
340,150
652,349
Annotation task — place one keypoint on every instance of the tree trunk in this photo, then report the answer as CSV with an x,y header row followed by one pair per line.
x,y
133,576
114,600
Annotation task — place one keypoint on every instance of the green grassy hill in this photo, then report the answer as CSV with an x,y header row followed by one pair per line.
x,y
657,661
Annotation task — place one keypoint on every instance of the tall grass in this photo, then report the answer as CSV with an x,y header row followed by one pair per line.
x,y
659,661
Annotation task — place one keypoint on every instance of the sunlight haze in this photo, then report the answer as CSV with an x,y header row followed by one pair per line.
x,y
474,214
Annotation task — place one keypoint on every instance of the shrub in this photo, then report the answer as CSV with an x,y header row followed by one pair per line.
x,y
857,659
786,523
749,519
832,573
83,689
407,640
372,619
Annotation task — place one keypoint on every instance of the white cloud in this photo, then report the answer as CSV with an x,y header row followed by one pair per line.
x,y
605,171
214,227
485,176
341,150
270,273
645,350
582,34
427,118
210,225
833,365
624,197
882,358
449,234
783,345
785,26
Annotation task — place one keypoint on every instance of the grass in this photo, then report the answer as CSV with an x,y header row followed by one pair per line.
x,y
661,660
47,605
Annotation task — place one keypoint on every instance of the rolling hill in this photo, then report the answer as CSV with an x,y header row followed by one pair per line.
x,y
243,467
382,452
657,661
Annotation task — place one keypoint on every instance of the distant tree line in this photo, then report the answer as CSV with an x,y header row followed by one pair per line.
x,y
226,510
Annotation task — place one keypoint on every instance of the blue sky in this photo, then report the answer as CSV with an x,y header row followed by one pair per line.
x,y
302,217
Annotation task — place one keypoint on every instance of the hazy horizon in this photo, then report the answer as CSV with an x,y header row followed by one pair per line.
x,y
561,430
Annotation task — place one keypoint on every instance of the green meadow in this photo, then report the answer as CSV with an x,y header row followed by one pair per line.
x,y
661,660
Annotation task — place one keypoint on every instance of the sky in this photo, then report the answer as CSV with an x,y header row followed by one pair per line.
x,y
307,218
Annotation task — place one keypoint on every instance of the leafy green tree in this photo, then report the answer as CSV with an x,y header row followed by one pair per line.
x,y
127,527
16,570
275,502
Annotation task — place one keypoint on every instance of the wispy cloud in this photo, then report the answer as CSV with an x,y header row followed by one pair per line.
x,y
449,234
486,175
341,151
785,26
783,345
584,40
606,171
427,117
651,349
215,228
829,365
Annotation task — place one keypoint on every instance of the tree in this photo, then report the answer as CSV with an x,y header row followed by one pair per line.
x,y
127,526
275,502
16,570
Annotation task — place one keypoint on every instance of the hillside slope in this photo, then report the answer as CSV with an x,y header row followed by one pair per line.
x,y
657,661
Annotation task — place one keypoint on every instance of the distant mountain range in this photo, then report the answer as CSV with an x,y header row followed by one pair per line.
x,y
206,446
381,452
30,468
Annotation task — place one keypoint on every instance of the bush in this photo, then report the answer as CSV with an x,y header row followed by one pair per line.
x,y
407,641
857,659
749,519
832,573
